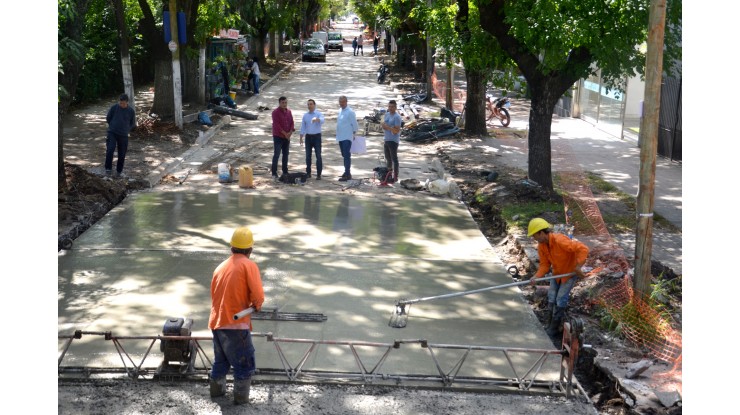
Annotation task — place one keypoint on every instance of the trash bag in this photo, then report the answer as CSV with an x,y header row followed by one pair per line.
x,y
204,119
439,187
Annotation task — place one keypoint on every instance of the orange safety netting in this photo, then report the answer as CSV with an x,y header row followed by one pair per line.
x,y
440,87
639,321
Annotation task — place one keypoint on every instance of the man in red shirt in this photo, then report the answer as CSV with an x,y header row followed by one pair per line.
x,y
282,128
564,256
236,285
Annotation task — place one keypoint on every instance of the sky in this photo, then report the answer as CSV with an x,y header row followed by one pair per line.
x,y
29,169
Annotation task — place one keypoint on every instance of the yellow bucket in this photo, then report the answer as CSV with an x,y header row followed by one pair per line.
x,y
232,94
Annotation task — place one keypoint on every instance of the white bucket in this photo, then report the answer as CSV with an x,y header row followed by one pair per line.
x,y
224,173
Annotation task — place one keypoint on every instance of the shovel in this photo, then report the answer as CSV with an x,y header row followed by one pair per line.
x,y
400,314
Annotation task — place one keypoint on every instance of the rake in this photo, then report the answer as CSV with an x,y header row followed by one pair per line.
x,y
400,314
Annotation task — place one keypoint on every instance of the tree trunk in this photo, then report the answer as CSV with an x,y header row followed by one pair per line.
x,y
273,45
475,118
164,98
191,78
540,126
259,51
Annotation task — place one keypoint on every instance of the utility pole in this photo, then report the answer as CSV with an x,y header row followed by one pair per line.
x,y
648,148
175,49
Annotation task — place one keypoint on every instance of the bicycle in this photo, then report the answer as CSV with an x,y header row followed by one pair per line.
x,y
496,109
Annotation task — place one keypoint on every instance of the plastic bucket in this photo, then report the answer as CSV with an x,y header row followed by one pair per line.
x,y
224,173
246,177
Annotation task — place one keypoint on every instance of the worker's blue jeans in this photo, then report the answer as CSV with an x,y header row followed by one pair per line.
x,y
313,143
559,293
233,348
256,84
344,147
280,145
111,142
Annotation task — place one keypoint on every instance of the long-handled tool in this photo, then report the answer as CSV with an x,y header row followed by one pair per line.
x,y
272,313
400,314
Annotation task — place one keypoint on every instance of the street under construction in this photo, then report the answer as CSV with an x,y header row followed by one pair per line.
x,y
134,295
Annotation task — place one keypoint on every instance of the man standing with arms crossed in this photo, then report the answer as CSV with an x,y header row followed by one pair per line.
x,y
282,129
236,285
311,129
392,138
121,119
346,129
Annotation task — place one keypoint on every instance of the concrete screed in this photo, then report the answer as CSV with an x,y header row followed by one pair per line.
x,y
347,257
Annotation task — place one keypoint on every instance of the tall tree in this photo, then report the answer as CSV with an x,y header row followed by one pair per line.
x,y
257,20
557,42
71,57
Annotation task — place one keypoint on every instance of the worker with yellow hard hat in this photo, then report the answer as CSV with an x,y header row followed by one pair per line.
x,y
236,285
560,255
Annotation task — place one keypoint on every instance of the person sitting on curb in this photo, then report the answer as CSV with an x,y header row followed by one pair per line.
x,y
561,255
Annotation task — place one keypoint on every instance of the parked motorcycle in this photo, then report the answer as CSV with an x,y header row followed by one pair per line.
x,y
498,109
382,71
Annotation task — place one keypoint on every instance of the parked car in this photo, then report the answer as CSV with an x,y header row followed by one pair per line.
x,y
313,49
336,41
322,36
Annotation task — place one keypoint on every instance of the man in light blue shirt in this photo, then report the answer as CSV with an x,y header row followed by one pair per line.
x,y
392,138
311,129
346,128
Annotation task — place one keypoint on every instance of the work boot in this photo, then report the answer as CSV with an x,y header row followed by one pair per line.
x,y
550,310
218,387
241,391
557,319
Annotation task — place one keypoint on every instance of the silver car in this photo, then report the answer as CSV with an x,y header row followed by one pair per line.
x,y
313,49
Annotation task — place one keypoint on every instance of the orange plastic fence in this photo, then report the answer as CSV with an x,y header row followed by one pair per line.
x,y
440,87
639,321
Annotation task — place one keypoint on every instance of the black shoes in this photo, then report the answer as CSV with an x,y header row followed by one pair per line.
x,y
345,177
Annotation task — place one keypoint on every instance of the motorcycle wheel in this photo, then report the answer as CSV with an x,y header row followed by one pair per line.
x,y
504,117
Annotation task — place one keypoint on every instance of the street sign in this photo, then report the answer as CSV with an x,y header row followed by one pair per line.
x,y
172,46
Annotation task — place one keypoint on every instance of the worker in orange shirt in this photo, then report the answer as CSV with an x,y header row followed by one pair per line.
x,y
236,285
560,255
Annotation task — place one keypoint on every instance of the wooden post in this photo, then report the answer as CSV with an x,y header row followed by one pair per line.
x,y
176,81
648,148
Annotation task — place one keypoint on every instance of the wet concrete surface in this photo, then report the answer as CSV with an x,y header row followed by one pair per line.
x,y
347,257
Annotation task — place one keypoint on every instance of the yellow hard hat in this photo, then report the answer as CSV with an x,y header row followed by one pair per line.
x,y
242,238
536,225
